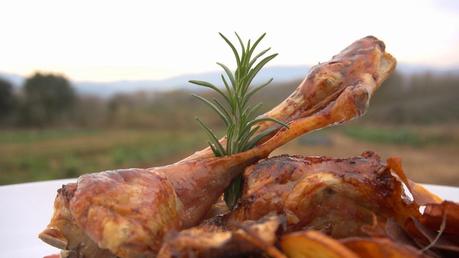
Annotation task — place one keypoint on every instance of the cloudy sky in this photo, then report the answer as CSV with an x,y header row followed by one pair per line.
x,y
115,40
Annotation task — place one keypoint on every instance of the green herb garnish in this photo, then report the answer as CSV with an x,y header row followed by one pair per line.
x,y
239,117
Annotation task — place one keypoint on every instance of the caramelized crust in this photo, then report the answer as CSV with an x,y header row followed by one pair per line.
x,y
336,196
127,212
249,239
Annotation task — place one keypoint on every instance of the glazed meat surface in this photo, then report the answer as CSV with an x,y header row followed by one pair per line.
x,y
335,196
357,200
127,212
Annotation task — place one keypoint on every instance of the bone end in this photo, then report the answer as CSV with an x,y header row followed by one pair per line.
x,y
54,237
386,67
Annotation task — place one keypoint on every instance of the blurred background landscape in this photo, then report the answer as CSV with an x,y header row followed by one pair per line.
x,y
83,90
51,128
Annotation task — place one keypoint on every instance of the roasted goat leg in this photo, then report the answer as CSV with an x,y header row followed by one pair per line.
x,y
358,199
340,197
361,201
127,212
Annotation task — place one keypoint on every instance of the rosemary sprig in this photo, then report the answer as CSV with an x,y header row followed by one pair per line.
x,y
239,117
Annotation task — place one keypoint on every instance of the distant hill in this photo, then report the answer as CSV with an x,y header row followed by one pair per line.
x,y
105,89
410,69
16,80
279,73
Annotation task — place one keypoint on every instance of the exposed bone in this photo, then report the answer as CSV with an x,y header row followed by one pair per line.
x,y
128,212
365,62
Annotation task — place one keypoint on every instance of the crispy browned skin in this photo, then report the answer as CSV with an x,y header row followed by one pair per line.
x,y
248,239
359,200
335,196
128,211
361,196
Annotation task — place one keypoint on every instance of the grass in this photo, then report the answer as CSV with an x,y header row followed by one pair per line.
x,y
42,155
430,154
29,136
398,136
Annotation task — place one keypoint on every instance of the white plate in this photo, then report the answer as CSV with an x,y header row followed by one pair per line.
x,y
26,210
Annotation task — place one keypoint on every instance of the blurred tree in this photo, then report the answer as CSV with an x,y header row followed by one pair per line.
x,y
121,109
48,98
90,112
7,99
421,98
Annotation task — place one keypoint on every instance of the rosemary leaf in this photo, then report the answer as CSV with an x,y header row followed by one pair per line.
x,y
240,119
236,54
260,136
214,107
213,139
233,192
228,73
211,86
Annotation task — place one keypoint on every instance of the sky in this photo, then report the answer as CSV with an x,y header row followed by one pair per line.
x,y
139,40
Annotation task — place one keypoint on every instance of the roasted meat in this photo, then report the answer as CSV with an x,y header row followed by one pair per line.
x,y
337,196
340,197
247,239
126,213
325,207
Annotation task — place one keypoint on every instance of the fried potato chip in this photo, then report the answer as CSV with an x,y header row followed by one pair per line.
x,y
434,213
313,244
380,248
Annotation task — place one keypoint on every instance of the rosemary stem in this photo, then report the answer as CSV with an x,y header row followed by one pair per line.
x,y
240,119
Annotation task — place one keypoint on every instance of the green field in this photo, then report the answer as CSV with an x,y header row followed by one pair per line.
x,y
429,153
51,154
